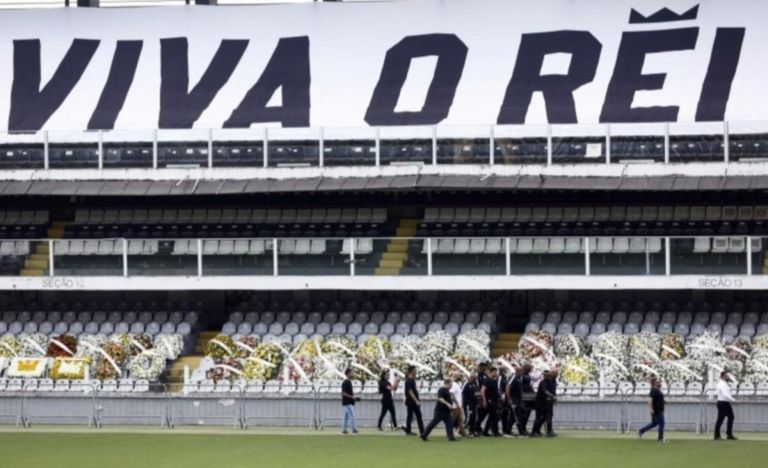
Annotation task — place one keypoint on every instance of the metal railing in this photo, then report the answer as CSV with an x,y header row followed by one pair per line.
x,y
426,256
627,413
545,145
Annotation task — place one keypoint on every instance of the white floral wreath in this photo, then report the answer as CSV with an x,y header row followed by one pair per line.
x,y
148,365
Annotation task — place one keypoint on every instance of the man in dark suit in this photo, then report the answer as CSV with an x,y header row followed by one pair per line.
x,y
469,400
545,401
490,402
515,391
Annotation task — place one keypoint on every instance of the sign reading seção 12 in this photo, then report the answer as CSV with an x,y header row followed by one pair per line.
x,y
384,63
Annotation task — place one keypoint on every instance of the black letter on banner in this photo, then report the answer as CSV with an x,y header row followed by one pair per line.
x,y
287,71
119,81
31,107
722,69
628,78
557,89
178,107
451,54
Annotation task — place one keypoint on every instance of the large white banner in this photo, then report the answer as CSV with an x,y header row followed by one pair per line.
x,y
415,62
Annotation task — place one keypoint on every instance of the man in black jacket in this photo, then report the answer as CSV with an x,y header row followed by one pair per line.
x,y
545,401
412,402
528,394
443,409
490,402
469,400
516,400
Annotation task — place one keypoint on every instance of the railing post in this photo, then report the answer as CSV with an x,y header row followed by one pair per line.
x,y
587,264
46,152
321,148
666,142
265,147
647,258
210,148
352,247
154,149
749,256
50,257
667,256
275,270
125,257
429,256
434,145
492,146
199,257
607,143
378,146
726,142
508,256
549,145
101,149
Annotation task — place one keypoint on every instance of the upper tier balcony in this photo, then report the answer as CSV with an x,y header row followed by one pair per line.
x,y
701,149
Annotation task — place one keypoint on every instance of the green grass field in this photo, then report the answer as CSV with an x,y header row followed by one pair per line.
x,y
192,448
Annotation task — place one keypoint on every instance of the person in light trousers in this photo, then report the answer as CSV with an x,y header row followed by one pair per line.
x,y
348,400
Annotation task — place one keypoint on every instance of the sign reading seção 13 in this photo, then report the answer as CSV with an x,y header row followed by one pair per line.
x,y
382,64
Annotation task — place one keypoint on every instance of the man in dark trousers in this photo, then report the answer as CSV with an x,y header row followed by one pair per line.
x,y
469,400
443,409
490,402
348,400
387,402
529,394
504,407
515,391
724,408
482,376
545,401
412,402
656,407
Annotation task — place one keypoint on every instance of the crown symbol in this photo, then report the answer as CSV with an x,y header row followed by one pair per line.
x,y
664,15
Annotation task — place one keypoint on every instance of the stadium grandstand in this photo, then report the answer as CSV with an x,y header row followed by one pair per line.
x,y
219,213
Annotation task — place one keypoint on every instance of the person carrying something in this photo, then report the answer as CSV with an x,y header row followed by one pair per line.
x,y
505,411
490,402
457,413
348,400
412,402
656,407
443,408
515,390
386,390
482,376
724,407
545,401
529,395
469,401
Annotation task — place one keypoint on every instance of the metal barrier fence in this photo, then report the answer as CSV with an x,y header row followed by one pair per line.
x,y
317,407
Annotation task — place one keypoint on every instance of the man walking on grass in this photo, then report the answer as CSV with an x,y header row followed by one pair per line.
x,y
412,402
724,407
443,408
656,407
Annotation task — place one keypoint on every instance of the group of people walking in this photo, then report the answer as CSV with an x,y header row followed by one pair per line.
x,y
489,403
492,404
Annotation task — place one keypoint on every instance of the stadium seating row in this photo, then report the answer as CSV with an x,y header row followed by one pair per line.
x,y
606,213
126,385
233,216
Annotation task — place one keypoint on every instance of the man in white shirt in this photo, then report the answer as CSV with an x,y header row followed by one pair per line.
x,y
457,412
724,408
